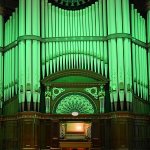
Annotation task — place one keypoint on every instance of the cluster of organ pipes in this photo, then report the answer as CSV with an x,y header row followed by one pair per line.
x,y
56,22
120,72
22,62
139,55
112,58
11,58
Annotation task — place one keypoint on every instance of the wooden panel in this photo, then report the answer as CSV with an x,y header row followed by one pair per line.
x,y
54,134
75,144
10,135
29,133
95,133
1,134
141,135
120,129
45,133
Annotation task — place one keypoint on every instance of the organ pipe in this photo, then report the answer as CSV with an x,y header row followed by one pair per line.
x,y
114,53
105,34
148,29
16,52
43,36
110,54
1,60
34,52
50,35
120,52
133,49
101,34
127,54
46,34
22,53
38,56
28,53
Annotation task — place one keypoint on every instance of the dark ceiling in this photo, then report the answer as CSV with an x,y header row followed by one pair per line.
x,y
10,5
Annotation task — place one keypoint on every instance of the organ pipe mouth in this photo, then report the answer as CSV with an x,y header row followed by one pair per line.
x,y
72,4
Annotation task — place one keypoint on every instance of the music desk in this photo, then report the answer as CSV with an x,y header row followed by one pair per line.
x,y
69,144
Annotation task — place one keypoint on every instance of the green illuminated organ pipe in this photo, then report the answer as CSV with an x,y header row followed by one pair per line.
x,y
46,34
139,55
91,25
64,44
16,52
112,48
43,36
5,65
86,53
98,14
80,29
22,54
28,53
94,34
127,54
93,48
82,43
148,37
54,35
10,58
1,59
120,52
38,56
105,34
50,35
35,49
57,35
133,49
75,52
110,54
72,44
101,34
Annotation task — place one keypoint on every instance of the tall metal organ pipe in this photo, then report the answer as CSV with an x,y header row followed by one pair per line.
x,y
1,59
22,54
28,53
113,53
35,53
127,54
148,38
120,52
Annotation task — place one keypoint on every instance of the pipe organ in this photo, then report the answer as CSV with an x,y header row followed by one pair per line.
x,y
74,61
108,38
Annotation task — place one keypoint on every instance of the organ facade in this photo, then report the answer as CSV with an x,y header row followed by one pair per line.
x,y
59,58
